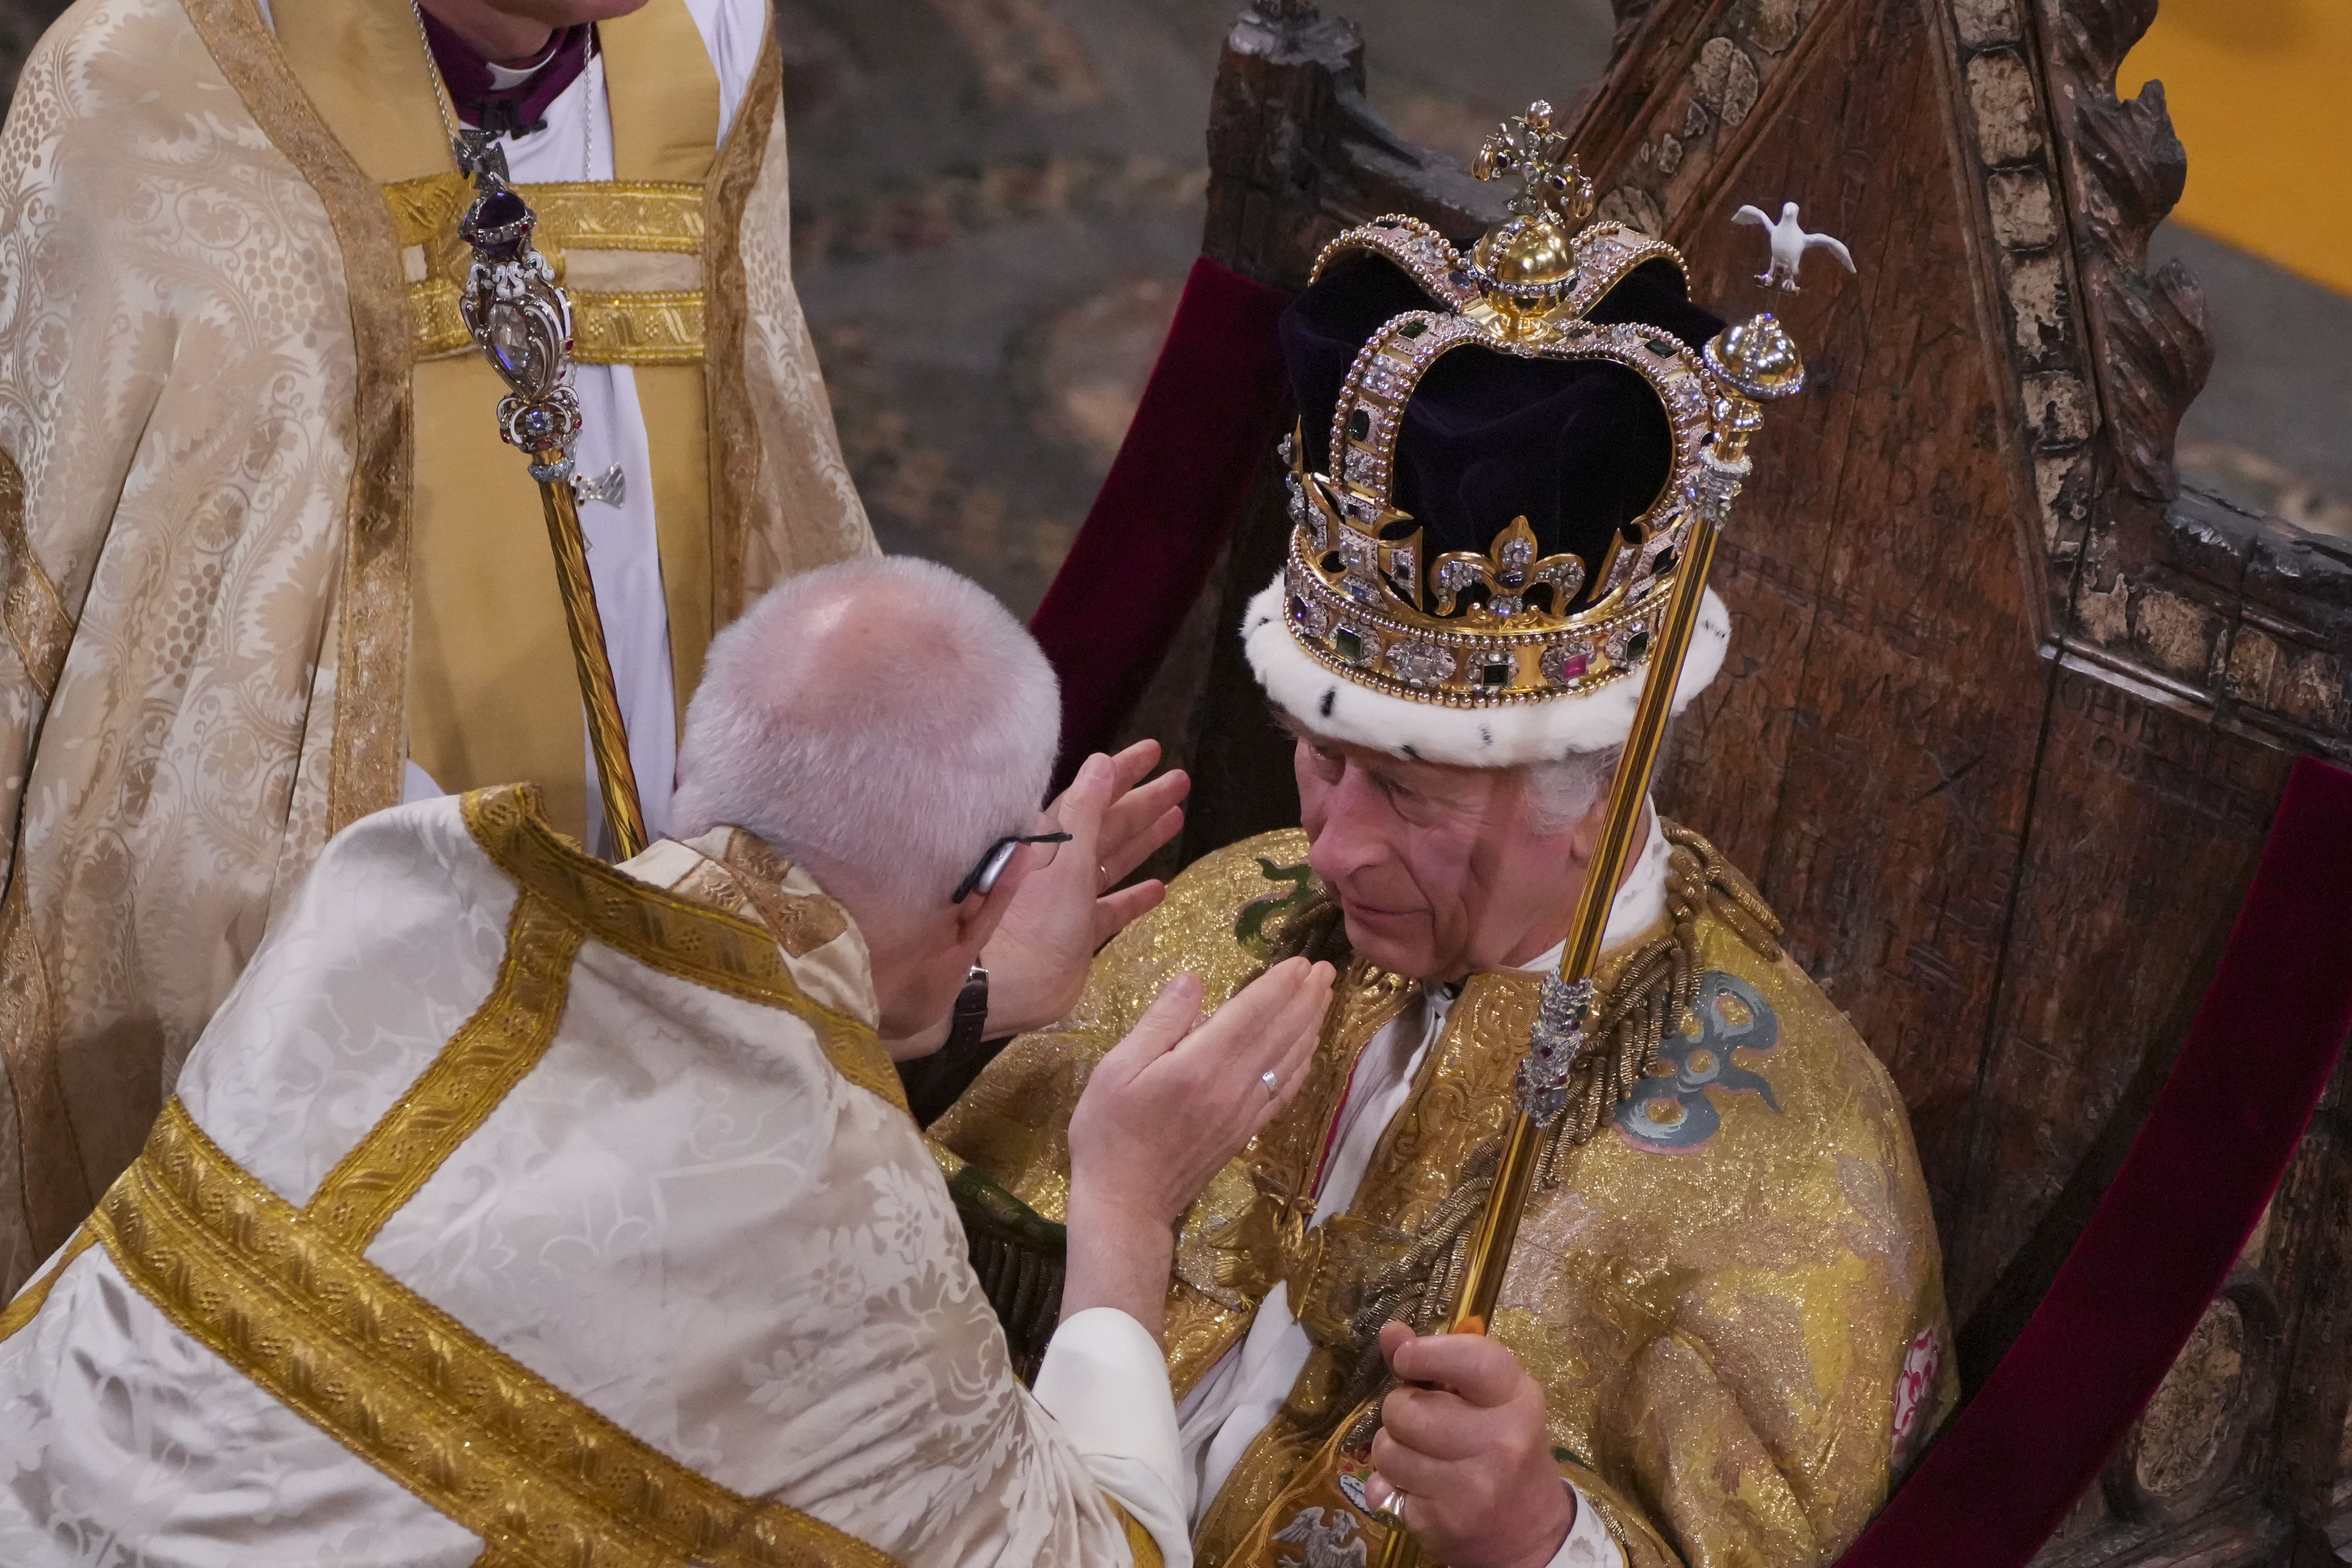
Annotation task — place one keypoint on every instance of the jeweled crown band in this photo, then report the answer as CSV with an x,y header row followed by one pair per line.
x,y
1459,668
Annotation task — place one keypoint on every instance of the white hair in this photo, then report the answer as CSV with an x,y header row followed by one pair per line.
x,y
1562,790
880,721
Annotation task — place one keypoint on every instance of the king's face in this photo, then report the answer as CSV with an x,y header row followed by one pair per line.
x,y
1440,871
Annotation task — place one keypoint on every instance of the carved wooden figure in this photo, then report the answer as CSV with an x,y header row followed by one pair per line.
x,y
2007,711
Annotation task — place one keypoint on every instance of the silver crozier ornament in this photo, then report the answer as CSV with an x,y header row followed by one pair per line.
x,y
522,323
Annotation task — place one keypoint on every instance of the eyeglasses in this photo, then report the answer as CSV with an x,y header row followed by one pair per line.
x,y
983,877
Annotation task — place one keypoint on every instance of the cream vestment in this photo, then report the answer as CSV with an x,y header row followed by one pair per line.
x,y
260,545
519,1209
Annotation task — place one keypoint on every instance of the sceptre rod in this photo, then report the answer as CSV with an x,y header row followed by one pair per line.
x,y
1489,1252
1749,363
522,320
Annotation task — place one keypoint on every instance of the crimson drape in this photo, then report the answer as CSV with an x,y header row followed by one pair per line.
x,y
2162,1240
1208,416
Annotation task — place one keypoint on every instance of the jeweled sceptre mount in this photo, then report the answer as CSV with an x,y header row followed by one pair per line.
x,y
522,320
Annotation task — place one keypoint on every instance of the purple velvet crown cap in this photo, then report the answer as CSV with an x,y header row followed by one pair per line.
x,y
1579,449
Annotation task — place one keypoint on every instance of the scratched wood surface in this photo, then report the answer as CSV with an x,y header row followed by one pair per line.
x,y
2007,713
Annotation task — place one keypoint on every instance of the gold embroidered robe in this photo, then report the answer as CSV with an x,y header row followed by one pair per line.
x,y
1731,1293
259,540
522,1209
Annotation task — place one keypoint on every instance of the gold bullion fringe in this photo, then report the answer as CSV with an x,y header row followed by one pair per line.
x,y
1653,990
1651,993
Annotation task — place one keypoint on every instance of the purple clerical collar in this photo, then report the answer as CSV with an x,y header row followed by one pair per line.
x,y
519,107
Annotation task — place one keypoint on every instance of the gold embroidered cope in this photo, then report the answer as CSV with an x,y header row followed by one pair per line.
x,y
1726,1326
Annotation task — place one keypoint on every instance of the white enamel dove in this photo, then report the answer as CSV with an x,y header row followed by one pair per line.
x,y
1789,242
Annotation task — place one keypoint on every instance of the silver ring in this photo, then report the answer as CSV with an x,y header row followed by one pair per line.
x,y
1273,1083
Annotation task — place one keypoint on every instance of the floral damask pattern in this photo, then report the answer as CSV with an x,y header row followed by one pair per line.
x,y
176,381
683,1217
194,420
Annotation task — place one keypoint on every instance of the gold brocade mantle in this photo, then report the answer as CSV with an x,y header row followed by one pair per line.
x,y
1732,1294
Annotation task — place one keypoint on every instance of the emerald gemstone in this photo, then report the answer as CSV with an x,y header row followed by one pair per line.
x,y
1360,424
1413,329
1495,673
1636,647
1351,644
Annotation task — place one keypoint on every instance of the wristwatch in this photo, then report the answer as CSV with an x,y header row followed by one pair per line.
x,y
968,1024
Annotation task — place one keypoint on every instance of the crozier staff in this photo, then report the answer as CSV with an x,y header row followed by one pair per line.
x,y
519,1206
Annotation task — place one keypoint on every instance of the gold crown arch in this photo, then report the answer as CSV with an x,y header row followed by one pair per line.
x,y
1363,596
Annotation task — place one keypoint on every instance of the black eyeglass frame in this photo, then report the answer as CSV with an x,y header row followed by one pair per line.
x,y
981,878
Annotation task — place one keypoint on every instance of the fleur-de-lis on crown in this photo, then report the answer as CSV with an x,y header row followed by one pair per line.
x,y
1529,148
1508,571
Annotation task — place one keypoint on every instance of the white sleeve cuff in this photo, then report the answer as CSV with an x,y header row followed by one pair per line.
x,y
1105,1381
1589,1543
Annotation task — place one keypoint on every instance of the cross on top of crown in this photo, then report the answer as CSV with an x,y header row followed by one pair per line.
x,y
1529,148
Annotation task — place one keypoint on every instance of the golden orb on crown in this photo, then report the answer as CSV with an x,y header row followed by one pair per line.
x,y
1527,264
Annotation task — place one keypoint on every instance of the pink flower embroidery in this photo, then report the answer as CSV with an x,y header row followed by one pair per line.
x,y
1921,1362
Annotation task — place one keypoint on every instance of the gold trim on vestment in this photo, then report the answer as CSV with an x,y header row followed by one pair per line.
x,y
662,221
52,1186
1139,1541
636,329
655,327
682,939
457,1091
30,1301
542,1478
371,599
569,214
30,604
733,433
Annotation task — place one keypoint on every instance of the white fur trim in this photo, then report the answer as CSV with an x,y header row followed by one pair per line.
x,y
1498,737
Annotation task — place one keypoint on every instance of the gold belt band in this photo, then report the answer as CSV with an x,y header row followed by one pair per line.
x,y
653,219
607,328
592,215
544,1479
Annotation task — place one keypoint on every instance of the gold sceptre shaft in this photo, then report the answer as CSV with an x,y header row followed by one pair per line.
x,y
522,322
1751,362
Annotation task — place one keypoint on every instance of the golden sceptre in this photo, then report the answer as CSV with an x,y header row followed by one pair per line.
x,y
1751,362
522,322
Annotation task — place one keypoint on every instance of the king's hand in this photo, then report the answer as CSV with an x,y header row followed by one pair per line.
x,y
1465,1444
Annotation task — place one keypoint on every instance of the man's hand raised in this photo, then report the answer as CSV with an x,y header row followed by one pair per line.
x,y
1162,1113
1037,958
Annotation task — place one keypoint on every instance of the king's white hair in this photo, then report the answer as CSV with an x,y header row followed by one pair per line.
x,y
879,722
